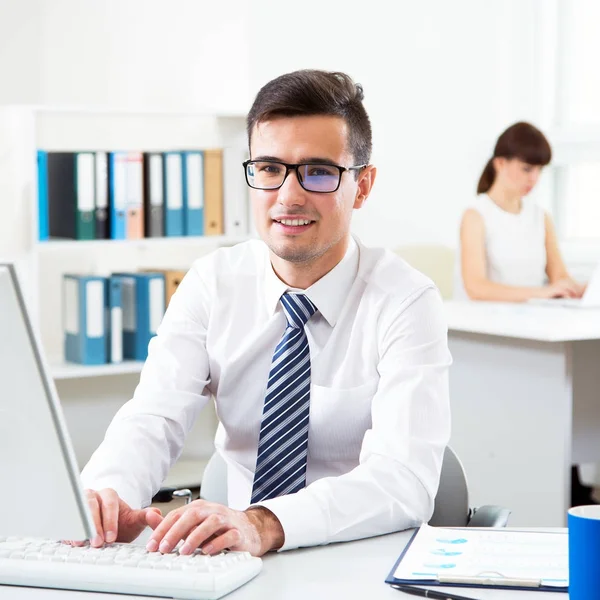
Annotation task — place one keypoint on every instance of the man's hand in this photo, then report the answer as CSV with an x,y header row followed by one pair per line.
x,y
115,520
214,527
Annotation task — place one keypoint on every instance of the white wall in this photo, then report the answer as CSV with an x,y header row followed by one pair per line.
x,y
182,55
20,64
441,79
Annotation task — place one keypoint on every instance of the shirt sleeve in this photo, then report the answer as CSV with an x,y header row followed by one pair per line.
x,y
394,486
147,434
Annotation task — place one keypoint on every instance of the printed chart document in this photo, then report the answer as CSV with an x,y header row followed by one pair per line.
x,y
485,557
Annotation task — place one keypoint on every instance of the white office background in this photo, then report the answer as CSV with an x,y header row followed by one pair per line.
x,y
442,80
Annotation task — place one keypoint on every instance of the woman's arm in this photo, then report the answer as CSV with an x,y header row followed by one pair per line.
x,y
555,266
474,267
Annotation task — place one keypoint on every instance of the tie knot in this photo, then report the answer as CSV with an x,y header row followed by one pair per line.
x,y
298,309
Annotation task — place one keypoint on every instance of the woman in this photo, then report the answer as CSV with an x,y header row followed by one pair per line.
x,y
508,245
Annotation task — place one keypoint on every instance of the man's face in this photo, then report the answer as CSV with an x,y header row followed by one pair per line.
x,y
304,140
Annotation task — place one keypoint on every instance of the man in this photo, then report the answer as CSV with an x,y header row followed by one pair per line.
x,y
328,360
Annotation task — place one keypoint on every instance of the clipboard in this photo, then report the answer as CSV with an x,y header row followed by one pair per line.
x,y
453,557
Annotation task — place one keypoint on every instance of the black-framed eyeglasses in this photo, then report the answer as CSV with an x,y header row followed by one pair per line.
x,y
313,177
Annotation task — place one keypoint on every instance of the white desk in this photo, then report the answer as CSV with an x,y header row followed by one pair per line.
x,y
351,571
525,397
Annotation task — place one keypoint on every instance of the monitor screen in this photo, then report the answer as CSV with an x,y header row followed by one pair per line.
x,y
41,494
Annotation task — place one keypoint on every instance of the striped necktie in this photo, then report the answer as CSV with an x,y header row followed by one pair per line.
x,y
283,440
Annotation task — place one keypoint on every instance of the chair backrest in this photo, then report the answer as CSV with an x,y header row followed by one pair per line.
x,y
451,501
435,261
213,486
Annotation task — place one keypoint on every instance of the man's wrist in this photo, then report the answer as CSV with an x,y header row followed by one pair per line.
x,y
268,527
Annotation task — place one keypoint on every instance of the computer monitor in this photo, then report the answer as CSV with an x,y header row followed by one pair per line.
x,y
40,490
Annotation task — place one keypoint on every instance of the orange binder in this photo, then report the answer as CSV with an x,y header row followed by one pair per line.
x,y
213,192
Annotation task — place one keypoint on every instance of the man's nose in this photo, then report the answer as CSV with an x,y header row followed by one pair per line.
x,y
291,192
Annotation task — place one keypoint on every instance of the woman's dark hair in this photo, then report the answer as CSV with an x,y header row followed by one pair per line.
x,y
311,92
522,141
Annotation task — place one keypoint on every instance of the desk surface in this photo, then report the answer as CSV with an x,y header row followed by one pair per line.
x,y
351,571
525,321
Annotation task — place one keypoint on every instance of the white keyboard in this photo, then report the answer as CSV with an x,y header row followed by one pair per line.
x,y
123,568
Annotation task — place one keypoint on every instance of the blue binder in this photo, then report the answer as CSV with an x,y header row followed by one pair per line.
x,y
84,319
173,193
193,193
43,223
117,184
114,319
143,301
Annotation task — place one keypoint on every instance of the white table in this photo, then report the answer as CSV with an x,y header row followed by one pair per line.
x,y
525,397
351,571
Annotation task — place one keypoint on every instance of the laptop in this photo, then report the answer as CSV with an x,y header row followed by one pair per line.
x,y
590,299
41,491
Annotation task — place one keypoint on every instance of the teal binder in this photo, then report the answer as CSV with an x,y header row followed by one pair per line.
x,y
143,306
84,319
193,193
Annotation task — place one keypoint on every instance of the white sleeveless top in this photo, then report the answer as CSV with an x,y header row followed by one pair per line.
x,y
515,245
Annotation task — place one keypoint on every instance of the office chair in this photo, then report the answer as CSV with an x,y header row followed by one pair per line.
x,y
451,502
435,261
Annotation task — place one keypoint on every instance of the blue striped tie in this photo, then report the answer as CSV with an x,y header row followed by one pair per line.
x,y
283,440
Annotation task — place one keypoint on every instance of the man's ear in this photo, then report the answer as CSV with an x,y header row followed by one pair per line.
x,y
366,179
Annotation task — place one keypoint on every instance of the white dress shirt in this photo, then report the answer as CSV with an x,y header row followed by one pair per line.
x,y
379,406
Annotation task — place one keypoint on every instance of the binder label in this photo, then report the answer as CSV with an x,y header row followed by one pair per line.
x,y
195,187
101,180
156,180
157,303
120,179
71,306
116,334
128,303
135,193
175,189
85,182
95,309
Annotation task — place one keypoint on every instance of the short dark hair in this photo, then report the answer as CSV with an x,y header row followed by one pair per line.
x,y
521,140
312,92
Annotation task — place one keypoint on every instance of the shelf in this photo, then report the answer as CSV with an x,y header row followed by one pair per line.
x,y
209,240
66,370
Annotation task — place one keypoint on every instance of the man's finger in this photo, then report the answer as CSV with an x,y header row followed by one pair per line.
x,y
109,507
94,505
160,531
212,525
153,517
229,539
180,530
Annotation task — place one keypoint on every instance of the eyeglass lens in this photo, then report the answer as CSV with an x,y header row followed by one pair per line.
x,y
313,178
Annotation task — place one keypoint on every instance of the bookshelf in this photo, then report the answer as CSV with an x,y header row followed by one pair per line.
x,y
25,128
90,395
205,241
61,369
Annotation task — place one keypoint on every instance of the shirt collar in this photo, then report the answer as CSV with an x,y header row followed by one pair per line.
x,y
328,293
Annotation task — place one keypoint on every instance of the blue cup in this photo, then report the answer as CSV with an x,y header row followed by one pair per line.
x,y
584,552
